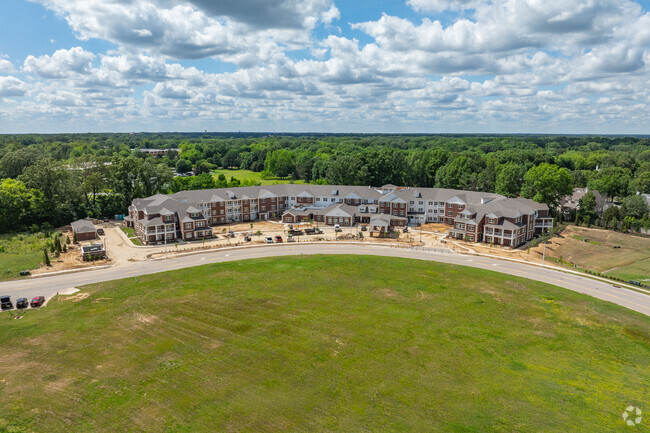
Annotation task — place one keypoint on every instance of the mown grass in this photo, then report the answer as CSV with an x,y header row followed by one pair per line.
x,y
324,344
18,252
252,176
639,271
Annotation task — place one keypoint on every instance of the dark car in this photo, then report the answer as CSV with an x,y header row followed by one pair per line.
x,y
5,302
100,232
37,301
22,303
106,220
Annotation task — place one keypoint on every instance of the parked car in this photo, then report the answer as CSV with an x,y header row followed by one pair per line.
x,y
22,303
100,232
364,228
24,273
278,239
37,301
106,219
247,238
291,239
5,302
406,230
268,240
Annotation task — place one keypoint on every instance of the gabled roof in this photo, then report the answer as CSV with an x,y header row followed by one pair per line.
x,y
83,226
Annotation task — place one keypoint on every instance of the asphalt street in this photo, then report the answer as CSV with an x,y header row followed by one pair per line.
x,y
48,286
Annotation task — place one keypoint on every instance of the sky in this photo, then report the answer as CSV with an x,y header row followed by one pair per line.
x,y
403,66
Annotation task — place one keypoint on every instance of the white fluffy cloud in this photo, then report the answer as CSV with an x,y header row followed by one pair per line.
x,y
12,86
61,64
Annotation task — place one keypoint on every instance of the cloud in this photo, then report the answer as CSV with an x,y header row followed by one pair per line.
x,y
521,65
61,64
5,66
443,5
242,31
12,86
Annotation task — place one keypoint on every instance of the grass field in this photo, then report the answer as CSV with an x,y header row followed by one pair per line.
x,y
19,252
253,176
593,249
324,344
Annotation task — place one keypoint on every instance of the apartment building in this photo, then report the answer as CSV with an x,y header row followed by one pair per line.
x,y
473,216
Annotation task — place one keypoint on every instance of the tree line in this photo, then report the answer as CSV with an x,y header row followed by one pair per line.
x,y
58,178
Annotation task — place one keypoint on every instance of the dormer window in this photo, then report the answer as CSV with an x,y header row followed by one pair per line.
x,y
490,220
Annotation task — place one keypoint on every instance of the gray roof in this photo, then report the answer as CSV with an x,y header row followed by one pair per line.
x,y
83,226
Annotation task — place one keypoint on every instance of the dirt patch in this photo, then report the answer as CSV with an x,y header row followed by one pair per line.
x,y
78,297
435,227
388,293
58,385
147,319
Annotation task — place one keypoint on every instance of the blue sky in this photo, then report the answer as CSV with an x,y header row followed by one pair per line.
x,y
522,66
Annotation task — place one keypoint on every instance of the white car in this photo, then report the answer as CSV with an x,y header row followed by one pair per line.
x,y
268,240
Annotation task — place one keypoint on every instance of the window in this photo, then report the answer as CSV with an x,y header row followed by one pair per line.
x,y
188,226
293,198
411,202
199,223
449,205
449,213
263,208
168,217
420,202
431,203
490,220
317,198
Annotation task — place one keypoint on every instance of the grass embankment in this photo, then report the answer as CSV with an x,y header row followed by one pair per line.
x,y
20,252
593,249
252,176
324,343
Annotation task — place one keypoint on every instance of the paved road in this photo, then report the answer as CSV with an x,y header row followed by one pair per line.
x,y
50,285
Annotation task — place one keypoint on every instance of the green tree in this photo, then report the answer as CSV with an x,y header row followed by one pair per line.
x,y
611,181
587,206
641,183
635,206
46,257
280,163
183,166
510,178
547,183
17,204
62,195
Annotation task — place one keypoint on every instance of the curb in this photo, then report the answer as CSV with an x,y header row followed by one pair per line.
x,y
71,271
555,268
240,247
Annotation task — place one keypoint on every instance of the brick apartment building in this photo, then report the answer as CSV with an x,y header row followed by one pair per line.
x,y
473,216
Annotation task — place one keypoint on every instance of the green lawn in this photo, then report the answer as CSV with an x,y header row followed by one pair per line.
x,y
639,271
131,234
249,175
324,344
19,252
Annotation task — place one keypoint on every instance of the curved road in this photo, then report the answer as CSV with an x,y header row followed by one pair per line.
x,y
50,285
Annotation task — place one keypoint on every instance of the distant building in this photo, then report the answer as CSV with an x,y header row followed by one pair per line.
x,y
571,203
158,153
84,230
